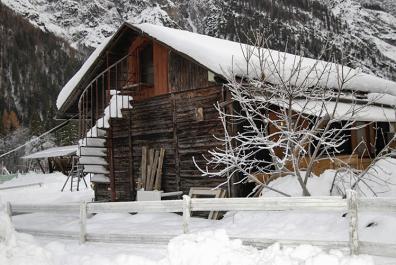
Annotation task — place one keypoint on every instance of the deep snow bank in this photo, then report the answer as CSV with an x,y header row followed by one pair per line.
x,y
16,248
215,248
380,178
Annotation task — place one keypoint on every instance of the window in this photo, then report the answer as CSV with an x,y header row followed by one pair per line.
x,y
146,65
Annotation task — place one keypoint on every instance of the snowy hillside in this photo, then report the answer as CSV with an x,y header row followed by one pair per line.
x,y
366,35
34,65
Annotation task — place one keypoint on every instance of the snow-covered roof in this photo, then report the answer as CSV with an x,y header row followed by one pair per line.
x,y
227,58
343,111
54,152
76,79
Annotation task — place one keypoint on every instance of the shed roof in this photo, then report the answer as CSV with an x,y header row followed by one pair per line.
x,y
53,152
227,58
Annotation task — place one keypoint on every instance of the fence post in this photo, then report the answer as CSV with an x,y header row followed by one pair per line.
x,y
353,222
83,222
9,209
186,213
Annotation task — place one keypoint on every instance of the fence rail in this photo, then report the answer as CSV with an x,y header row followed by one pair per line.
x,y
22,186
352,205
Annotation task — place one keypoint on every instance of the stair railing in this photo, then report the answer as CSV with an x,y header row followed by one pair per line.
x,y
96,97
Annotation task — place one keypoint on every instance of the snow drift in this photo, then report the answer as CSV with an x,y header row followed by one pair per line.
x,y
16,248
216,248
205,248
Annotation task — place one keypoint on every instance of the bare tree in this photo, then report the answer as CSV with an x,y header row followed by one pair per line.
x,y
294,111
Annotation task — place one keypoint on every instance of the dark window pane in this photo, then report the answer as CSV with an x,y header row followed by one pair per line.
x,y
146,65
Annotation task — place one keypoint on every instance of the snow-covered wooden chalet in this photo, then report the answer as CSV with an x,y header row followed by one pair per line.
x,y
155,87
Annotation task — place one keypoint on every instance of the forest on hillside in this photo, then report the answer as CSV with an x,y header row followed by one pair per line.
x,y
34,65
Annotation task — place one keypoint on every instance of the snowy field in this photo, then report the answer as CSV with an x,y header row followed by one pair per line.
x,y
208,243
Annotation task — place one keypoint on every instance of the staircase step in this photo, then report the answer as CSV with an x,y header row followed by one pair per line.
x,y
93,160
93,141
95,169
100,178
95,151
97,133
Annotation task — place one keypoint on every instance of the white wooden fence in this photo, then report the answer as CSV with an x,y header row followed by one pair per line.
x,y
352,205
22,186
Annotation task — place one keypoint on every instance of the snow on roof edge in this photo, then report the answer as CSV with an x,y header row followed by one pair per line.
x,y
225,57
76,79
53,152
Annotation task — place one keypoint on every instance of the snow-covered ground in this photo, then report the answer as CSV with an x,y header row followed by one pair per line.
x,y
209,239
49,192
209,248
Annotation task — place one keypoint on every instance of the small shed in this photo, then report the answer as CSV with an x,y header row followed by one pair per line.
x,y
59,158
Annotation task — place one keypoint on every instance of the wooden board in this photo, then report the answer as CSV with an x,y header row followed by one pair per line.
x,y
215,193
158,175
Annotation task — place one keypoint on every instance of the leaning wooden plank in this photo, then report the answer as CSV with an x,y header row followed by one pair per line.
x,y
214,215
153,170
158,174
146,184
149,167
144,165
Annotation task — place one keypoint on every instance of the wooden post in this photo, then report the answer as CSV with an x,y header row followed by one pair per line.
x,y
9,209
186,213
353,222
83,222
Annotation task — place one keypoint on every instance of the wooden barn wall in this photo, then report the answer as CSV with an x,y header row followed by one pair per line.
x,y
181,118
171,122
195,134
185,74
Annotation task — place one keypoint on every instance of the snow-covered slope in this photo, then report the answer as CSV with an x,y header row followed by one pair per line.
x,y
366,35
374,29
86,22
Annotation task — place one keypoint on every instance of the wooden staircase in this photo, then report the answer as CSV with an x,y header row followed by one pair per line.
x,y
93,156
101,102
97,153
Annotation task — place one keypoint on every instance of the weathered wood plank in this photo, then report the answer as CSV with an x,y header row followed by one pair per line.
x,y
153,170
377,204
269,204
144,164
158,174
377,249
136,206
353,222
48,208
